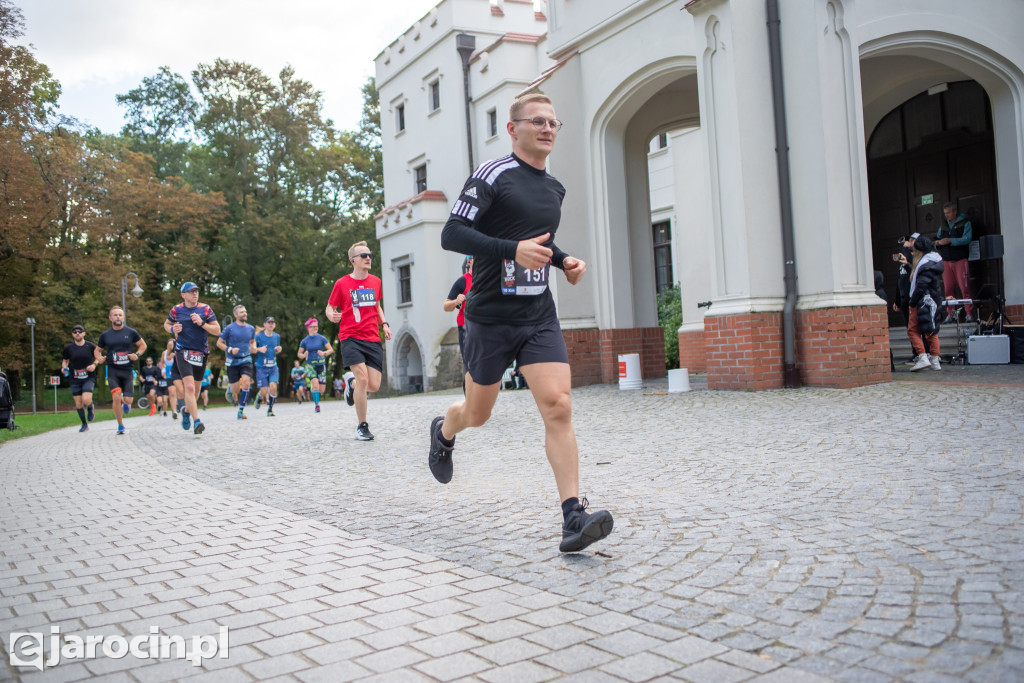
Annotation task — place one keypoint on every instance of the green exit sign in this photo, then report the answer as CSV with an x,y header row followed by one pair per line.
x,y
927,199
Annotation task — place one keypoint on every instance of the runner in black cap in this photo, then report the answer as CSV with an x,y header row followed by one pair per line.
x,y
80,365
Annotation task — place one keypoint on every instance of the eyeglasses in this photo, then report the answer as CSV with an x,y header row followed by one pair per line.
x,y
77,331
539,123
365,255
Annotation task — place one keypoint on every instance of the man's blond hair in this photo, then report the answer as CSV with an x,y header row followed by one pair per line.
x,y
518,104
355,247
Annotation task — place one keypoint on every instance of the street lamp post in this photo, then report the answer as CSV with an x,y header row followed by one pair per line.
x,y
136,292
31,322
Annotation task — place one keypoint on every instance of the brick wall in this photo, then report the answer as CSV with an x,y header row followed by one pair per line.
x,y
693,351
836,347
594,354
1014,312
744,351
584,356
843,347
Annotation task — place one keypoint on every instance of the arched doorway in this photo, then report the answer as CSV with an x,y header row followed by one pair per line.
x,y
660,99
935,147
409,365
895,70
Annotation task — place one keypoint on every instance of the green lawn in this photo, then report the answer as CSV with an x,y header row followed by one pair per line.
x,y
30,425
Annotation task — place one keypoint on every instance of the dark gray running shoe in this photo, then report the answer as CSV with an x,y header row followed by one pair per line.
x,y
363,432
440,459
582,528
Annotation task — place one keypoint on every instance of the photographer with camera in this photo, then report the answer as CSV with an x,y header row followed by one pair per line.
x,y
903,257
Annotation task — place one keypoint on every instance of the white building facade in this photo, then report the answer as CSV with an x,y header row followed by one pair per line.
x,y
891,109
426,162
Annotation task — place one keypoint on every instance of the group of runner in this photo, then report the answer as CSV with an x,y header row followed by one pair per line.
x,y
181,376
504,219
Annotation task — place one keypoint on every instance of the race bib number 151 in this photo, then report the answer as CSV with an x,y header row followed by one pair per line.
x,y
519,281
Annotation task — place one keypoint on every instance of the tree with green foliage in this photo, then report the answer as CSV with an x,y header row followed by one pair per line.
x,y
161,113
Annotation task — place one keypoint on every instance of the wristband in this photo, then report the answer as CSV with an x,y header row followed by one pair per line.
x,y
386,323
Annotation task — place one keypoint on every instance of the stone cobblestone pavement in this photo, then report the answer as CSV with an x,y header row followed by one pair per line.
x,y
872,534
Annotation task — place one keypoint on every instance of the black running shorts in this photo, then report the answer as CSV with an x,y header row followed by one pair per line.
x,y
82,386
121,378
356,351
490,349
187,362
235,372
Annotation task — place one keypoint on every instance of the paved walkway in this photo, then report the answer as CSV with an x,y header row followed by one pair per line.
x,y
874,534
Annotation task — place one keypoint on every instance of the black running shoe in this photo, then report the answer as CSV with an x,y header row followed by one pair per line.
x,y
582,528
363,432
440,458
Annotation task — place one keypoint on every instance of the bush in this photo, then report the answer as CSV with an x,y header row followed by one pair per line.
x,y
670,318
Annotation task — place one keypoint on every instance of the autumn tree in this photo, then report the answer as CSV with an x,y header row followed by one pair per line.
x,y
78,211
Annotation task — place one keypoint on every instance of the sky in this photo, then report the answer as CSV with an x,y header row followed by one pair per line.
x,y
98,49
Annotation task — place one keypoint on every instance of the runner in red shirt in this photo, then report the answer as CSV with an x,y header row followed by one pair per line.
x,y
355,303
457,300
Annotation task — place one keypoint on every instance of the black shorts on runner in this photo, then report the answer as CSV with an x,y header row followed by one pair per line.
x,y
161,391
121,378
235,372
490,349
83,386
148,387
356,351
182,367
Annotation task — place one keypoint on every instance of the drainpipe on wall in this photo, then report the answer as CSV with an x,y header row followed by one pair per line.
x,y
791,373
465,44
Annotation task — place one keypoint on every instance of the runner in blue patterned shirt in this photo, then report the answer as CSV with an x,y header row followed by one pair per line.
x,y
193,323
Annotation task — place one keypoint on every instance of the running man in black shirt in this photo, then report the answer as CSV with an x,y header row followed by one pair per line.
x,y
149,374
118,342
80,365
506,217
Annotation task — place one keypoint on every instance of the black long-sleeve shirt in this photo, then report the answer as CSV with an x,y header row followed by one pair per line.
x,y
503,202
